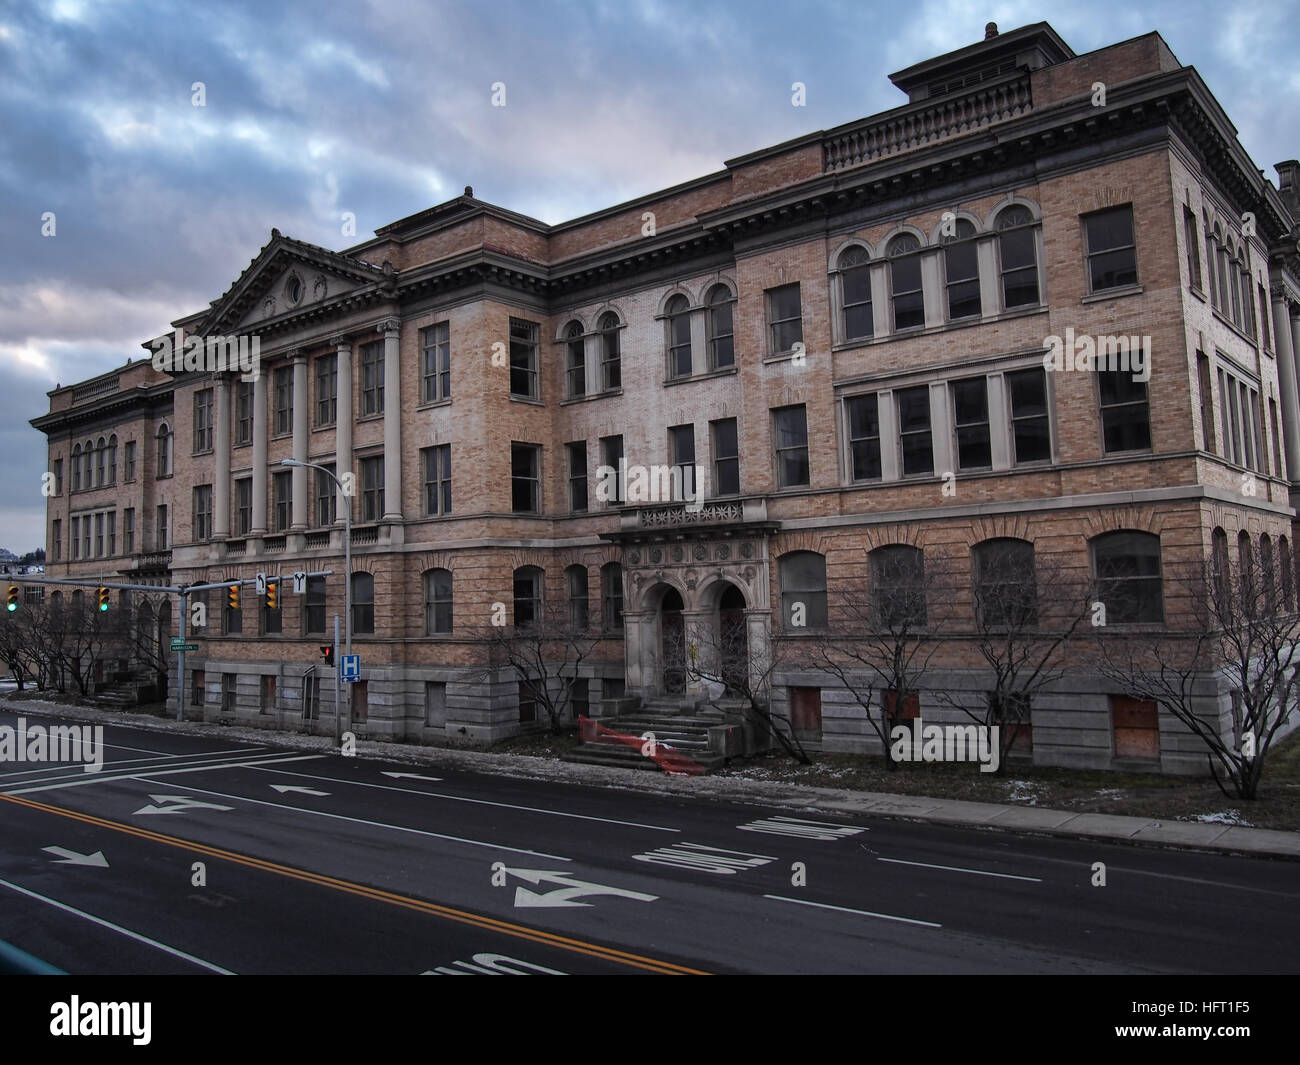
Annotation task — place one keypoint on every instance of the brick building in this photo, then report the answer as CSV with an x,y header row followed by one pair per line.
x,y
842,336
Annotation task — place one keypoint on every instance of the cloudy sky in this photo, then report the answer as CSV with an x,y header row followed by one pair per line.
x,y
382,108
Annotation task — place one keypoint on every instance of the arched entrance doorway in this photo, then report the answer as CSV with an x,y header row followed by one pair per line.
x,y
673,629
733,641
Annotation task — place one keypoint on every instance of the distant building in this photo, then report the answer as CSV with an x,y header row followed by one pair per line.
x,y
829,333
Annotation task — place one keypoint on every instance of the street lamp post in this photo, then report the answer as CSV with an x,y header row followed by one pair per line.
x,y
347,567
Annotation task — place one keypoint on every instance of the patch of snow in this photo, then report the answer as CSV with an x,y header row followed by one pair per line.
x,y
1225,817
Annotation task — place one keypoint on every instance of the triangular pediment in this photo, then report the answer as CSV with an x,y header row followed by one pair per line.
x,y
287,276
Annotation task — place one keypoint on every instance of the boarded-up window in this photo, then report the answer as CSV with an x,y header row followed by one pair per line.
x,y
360,700
806,713
911,705
1137,727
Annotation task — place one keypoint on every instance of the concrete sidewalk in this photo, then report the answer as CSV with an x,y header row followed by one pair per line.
x,y
1231,839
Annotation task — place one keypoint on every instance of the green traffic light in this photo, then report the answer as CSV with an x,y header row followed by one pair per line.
x,y
103,606
12,607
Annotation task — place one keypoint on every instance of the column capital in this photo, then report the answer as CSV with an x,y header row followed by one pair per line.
x,y
297,355
388,325
341,341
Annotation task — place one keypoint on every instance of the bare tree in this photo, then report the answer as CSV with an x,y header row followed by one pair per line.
x,y
1233,623
17,643
881,633
735,670
545,651
1026,611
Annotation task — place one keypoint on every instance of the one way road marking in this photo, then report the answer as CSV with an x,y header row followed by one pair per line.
x,y
282,788
182,803
563,896
67,857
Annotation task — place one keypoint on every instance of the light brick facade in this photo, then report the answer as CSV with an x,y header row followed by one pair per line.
x,y
1010,130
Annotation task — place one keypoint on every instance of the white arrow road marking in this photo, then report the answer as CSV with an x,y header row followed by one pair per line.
x,y
410,776
73,858
282,788
182,802
573,889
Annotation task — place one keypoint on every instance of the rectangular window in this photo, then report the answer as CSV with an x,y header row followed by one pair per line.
x,y
1277,438
243,506
360,700
914,430
234,618
161,542
577,476
435,363
283,393
611,360
130,460
437,479
523,358
681,450
58,476
970,403
961,264
372,489
197,688
244,412
202,512
784,318
1136,727
806,713
908,293
611,457
372,378
99,536
203,420
128,530
314,607
85,537
112,532
790,430
1266,333
267,695
282,494
326,495
74,543
1207,401
327,389
1112,254
864,437
56,538
273,620
527,704
228,681
1193,248
1125,419
1229,438
726,457
525,478
575,361
435,704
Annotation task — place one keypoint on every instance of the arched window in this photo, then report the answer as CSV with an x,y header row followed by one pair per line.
x,y
855,293
363,603
611,593
1219,565
1211,261
961,265
575,581
1234,286
437,601
722,350
1017,248
611,367
1268,573
679,337
898,588
576,359
1246,579
112,459
1284,564
1127,570
164,451
1006,593
905,280
76,467
101,452
803,591
528,596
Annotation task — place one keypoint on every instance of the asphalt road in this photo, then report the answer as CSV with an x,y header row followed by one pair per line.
x,y
243,858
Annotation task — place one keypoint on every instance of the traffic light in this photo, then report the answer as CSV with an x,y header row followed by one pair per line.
x,y
327,653
103,600
233,597
11,604
272,595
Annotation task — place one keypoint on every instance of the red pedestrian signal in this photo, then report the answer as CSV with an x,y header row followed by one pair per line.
x,y
327,653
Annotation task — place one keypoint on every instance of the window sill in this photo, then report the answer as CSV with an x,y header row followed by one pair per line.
x,y
322,427
531,400
1222,320
434,403
1198,293
373,416
589,396
705,376
1113,294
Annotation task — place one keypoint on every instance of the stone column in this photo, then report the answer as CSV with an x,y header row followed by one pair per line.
x,y
392,420
221,461
301,406
1284,334
259,454
343,422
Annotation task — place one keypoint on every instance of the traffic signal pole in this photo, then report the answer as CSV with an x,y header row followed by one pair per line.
x,y
338,668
